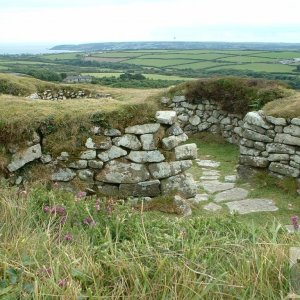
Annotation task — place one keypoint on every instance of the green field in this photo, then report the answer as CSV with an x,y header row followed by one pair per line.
x,y
61,56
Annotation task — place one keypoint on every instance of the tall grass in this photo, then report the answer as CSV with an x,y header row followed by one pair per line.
x,y
121,253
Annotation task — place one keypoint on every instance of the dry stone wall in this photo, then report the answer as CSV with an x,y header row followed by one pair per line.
x,y
132,163
265,142
206,115
272,143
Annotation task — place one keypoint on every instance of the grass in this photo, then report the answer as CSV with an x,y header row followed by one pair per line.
x,y
281,191
280,54
158,63
288,107
259,67
130,254
199,65
247,59
61,56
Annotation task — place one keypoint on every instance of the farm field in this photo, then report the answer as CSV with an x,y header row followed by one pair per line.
x,y
162,65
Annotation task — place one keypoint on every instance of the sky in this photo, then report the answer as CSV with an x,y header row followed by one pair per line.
x,y
84,21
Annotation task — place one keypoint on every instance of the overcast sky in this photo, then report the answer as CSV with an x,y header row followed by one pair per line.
x,y
80,21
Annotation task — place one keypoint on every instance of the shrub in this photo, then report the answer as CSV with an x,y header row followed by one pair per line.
x,y
236,95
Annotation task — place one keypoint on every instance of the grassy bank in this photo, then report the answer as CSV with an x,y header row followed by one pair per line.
x,y
54,246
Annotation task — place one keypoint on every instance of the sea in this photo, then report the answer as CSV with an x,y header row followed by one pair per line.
x,y
14,49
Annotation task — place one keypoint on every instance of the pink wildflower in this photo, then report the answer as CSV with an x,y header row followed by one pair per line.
x,y
62,283
68,237
46,209
97,205
294,221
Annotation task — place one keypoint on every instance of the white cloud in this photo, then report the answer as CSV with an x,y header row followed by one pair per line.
x,y
123,20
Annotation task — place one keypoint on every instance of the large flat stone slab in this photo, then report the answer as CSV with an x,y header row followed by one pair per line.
x,y
231,195
212,207
207,163
21,158
146,189
212,187
248,206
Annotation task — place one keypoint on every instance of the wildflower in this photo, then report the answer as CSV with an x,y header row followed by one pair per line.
x,y
58,210
46,209
89,221
97,205
62,283
80,195
294,221
109,206
68,237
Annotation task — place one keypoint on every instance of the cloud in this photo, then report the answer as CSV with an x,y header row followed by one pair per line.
x,y
122,20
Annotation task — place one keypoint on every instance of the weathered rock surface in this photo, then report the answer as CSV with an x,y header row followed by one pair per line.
x,y
21,158
95,164
212,207
182,206
141,189
285,138
251,205
188,151
112,153
119,172
148,142
86,175
146,156
280,148
171,142
231,195
128,141
166,117
206,163
167,169
212,187
79,164
255,118
89,154
143,129
257,162
175,129
182,183
284,169
112,132
63,175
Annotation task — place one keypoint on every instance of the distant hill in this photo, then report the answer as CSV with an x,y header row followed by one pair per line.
x,y
177,45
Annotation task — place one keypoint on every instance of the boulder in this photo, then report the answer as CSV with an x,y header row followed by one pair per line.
x,y
86,175
148,141
177,99
276,121
295,121
166,117
119,172
79,164
231,195
173,141
129,141
285,138
141,189
89,154
112,153
292,130
182,183
106,189
279,148
175,129
249,151
63,175
112,132
146,156
194,120
255,136
284,169
167,169
182,206
278,157
203,126
258,162
255,118
188,151
21,158
95,164
46,158
143,129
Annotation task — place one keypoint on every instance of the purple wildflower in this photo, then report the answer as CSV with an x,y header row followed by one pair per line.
x,y
63,220
97,205
294,221
89,221
68,237
46,209
62,283
80,195
58,210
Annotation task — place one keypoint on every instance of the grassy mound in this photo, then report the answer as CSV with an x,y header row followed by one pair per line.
x,y
88,248
235,95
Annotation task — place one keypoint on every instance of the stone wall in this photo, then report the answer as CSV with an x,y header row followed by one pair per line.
x,y
206,115
265,142
271,143
144,160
